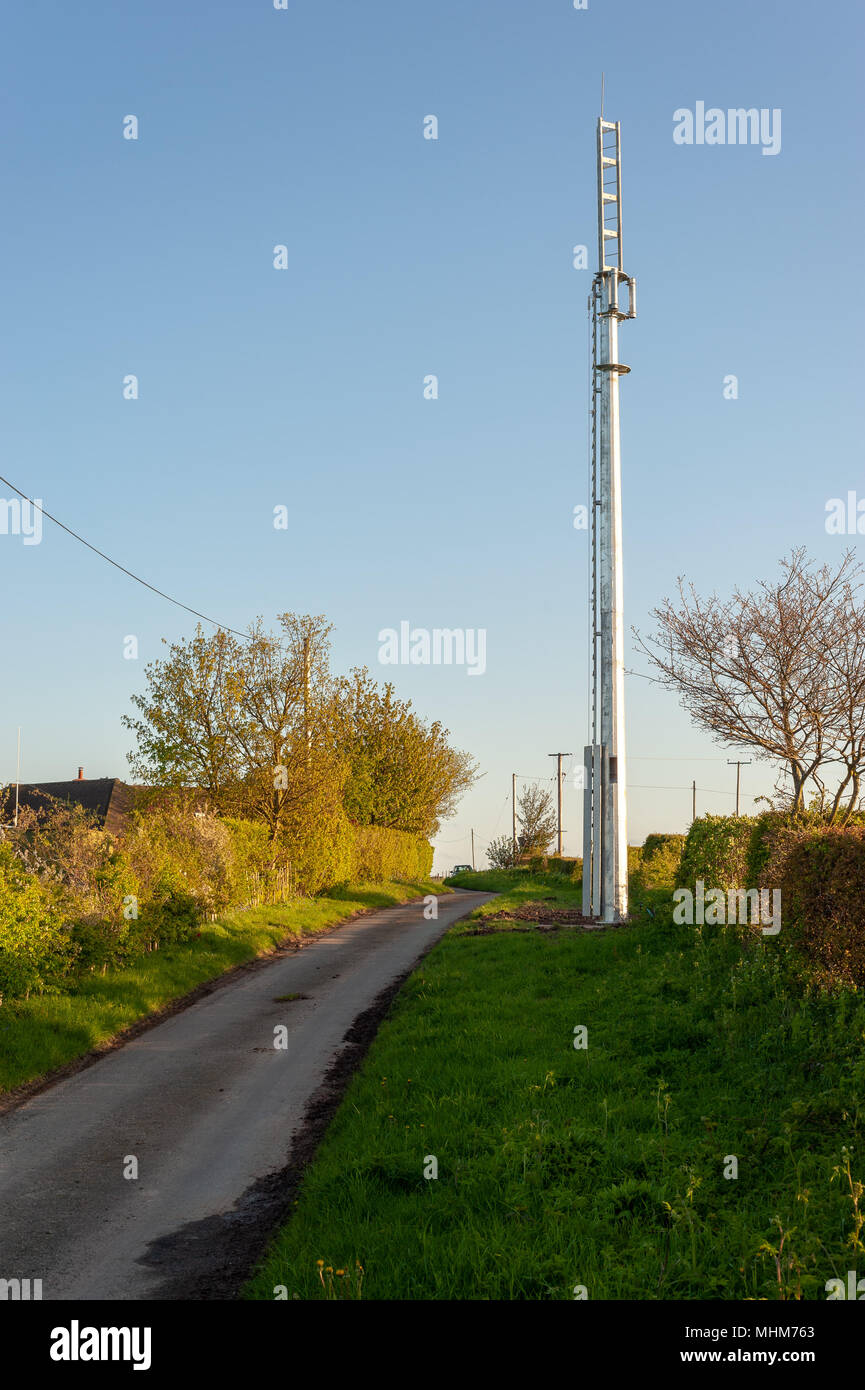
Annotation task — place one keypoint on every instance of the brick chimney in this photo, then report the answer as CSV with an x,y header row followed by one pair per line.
x,y
81,774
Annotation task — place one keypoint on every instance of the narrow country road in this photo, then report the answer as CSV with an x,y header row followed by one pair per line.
x,y
219,1120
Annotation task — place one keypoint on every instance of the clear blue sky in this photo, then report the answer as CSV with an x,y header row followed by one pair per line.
x,y
408,257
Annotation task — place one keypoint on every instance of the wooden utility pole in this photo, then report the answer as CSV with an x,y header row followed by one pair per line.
x,y
731,762
473,849
514,814
558,757
693,801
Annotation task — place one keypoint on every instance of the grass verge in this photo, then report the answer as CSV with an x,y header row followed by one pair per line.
x,y
39,1035
609,1167
516,889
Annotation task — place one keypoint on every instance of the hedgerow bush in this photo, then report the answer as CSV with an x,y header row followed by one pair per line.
x,y
715,851
153,886
567,866
178,855
380,854
658,863
261,871
821,875
64,847
171,914
88,876
35,948
103,921
561,864
94,899
819,870
318,842
765,832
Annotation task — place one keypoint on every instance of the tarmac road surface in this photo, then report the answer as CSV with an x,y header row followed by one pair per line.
x,y
212,1111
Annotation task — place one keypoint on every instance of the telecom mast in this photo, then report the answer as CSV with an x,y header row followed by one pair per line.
x,y
605,823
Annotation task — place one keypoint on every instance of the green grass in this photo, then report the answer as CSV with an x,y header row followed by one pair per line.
x,y
515,887
40,1034
601,1167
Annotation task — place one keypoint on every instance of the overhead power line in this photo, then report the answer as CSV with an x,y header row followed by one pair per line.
x,y
152,587
644,787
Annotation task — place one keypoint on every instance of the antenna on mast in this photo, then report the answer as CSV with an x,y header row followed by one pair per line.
x,y
605,824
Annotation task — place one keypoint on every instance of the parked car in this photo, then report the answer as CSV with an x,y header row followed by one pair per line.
x,y
462,869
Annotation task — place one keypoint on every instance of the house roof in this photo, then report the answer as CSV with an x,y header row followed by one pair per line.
x,y
106,798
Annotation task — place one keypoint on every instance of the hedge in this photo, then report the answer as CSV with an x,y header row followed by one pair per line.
x,y
553,864
258,875
319,854
821,875
35,949
658,862
380,854
818,869
98,899
715,850
319,846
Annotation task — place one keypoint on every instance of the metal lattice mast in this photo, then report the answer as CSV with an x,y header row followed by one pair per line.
x,y
595,630
605,827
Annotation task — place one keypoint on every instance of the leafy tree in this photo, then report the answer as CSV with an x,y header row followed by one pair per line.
x,y
402,773
264,728
244,720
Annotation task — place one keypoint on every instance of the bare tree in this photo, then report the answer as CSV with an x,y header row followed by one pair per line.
x,y
779,669
500,852
845,662
537,820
